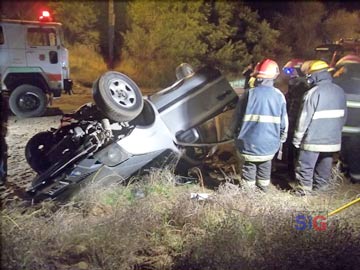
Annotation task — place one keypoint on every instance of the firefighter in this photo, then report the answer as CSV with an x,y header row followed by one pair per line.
x,y
3,131
297,86
261,121
347,76
318,129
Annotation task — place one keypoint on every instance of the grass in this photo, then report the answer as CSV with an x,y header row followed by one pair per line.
x,y
86,64
153,224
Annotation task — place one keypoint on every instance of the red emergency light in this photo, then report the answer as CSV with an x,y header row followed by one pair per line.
x,y
45,16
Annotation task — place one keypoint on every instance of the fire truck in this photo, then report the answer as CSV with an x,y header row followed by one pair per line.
x,y
332,52
34,65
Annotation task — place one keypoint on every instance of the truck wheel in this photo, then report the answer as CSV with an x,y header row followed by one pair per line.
x,y
118,97
28,101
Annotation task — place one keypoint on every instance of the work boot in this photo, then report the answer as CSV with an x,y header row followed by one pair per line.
x,y
322,188
249,186
300,191
354,181
263,189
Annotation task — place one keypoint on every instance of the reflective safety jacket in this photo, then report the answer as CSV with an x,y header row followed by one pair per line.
x,y
263,122
349,80
322,116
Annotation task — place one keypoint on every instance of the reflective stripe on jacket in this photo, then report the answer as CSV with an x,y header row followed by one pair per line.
x,y
352,125
263,122
322,116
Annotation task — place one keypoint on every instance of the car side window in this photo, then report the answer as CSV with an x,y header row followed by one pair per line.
x,y
41,37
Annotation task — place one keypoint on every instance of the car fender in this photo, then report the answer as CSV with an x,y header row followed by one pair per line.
x,y
151,138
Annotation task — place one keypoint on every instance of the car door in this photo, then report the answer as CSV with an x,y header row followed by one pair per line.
x,y
193,100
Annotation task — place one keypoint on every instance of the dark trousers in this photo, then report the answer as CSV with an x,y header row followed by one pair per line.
x,y
350,156
292,156
291,153
313,169
3,130
3,160
258,173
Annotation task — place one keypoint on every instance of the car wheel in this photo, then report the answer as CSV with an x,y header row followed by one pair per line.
x,y
27,101
118,97
36,150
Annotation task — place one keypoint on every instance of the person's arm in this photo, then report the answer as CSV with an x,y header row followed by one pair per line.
x,y
306,113
284,125
238,116
247,71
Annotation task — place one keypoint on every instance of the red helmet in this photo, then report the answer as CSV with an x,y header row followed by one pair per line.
x,y
292,67
266,69
348,59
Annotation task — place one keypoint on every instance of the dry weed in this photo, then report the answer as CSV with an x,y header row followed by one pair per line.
x,y
154,224
86,64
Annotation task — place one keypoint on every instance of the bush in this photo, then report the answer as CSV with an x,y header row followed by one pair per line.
x,y
86,64
152,76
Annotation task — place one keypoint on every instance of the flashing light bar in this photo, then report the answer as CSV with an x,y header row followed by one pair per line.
x,y
45,16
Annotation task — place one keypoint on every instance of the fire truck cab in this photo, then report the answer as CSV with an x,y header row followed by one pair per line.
x,y
34,64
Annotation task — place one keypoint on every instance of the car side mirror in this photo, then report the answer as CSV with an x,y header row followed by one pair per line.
x,y
188,136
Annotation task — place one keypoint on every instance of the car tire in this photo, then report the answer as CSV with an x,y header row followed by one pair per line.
x,y
118,97
36,150
28,101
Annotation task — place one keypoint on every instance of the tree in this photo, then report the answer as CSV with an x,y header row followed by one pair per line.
x,y
262,41
79,19
22,10
224,34
301,27
342,24
309,24
223,48
161,36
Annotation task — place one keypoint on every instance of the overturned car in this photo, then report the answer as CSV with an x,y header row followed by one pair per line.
x,y
123,132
